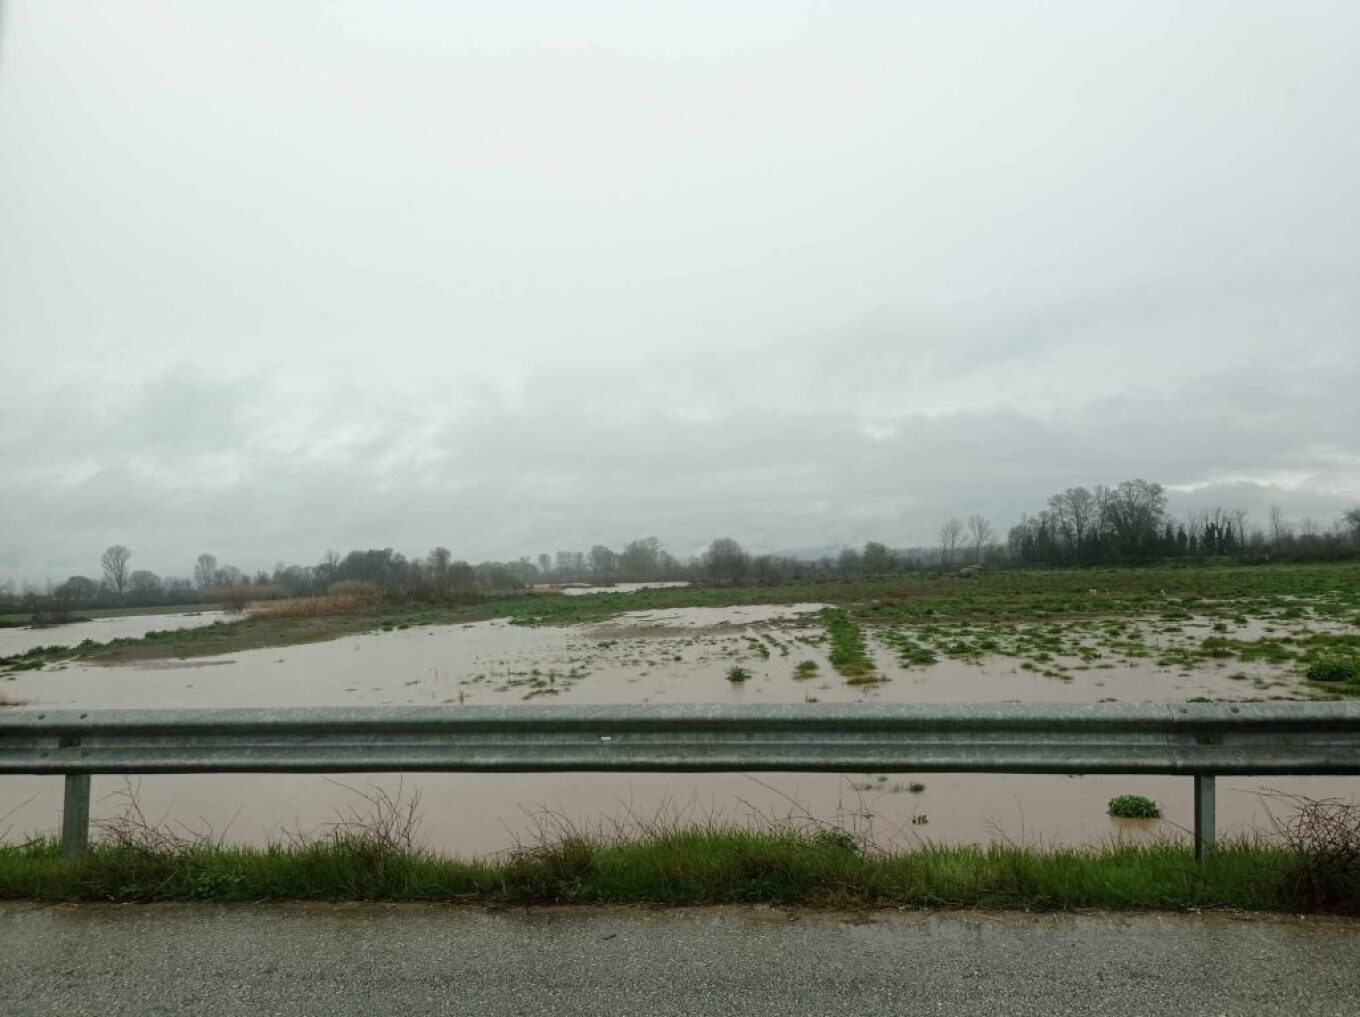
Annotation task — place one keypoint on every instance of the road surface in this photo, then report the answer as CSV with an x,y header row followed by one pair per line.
x,y
414,960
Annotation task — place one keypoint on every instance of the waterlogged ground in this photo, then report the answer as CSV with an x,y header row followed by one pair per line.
x,y
784,654
15,641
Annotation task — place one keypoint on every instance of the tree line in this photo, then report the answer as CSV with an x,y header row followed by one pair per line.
x,y
1124,524
1129,524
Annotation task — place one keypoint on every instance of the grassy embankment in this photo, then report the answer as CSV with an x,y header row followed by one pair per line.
x,y
695,866
1040,617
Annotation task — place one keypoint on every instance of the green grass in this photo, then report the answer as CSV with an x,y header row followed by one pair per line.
x,y
1334,669
849,654
685,866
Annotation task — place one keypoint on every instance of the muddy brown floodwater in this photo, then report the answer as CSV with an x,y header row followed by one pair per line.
x,y
667,656
100,630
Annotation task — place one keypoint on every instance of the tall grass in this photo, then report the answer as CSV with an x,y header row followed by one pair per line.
x,y
699,865
372,852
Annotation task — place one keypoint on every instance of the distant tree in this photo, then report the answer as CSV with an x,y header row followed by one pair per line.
x,y
1131,515
877,559
328,569
80,590
950,534
1074,511
114,562
726,561
849,562
1279,526
462,578
205,570
603,561
571,565
980,532
144,586
544,564
1239,517
641,559
437,564
1351,519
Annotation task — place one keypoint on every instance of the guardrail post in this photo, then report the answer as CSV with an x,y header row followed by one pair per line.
x,y
75,815
1204,815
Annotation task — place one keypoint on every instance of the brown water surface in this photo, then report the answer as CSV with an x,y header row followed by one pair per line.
x,y
670,656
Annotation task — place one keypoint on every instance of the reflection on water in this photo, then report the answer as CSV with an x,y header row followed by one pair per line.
x,y
665,656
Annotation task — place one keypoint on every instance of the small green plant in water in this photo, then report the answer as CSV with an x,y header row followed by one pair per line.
x,y
805,670
1134,807
738,674
1334,669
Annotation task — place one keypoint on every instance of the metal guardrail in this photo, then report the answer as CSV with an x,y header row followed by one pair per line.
x,y
1199,740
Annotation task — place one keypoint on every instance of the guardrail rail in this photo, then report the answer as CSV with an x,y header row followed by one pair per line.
x,y
1197,740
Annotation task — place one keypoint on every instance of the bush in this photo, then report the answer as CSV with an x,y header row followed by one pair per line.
x,y
1134,807
1324,837
1334,669
738,674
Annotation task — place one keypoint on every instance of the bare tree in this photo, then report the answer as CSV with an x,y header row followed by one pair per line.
x,y
950,533
1352,521
981,533
114,562
205,571
1075,510
603,561
1279,526
1239,516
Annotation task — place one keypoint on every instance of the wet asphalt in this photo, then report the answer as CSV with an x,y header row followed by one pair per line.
x,y
409,959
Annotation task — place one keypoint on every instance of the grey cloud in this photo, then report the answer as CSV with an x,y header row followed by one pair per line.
x,y
277,278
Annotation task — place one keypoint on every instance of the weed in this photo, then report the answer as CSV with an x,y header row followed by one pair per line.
x,y
1324,837
1334,669
1134,807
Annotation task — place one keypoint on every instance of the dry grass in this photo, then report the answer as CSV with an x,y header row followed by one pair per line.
x,y
349,597
1324,836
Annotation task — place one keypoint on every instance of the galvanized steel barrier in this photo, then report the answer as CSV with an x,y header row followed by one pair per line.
x,y
1197,740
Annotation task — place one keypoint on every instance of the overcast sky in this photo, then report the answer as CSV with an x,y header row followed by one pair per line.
x,y
520,277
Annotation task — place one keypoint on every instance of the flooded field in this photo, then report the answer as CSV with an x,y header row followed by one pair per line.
x,y
100,630
754,654
577,591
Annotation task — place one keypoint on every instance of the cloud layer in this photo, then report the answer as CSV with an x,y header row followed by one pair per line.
x,y
335,276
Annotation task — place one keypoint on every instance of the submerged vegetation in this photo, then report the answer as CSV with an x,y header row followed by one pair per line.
x,y
849,654
1134,807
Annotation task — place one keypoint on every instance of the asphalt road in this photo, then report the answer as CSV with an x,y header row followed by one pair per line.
x,y
409,960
